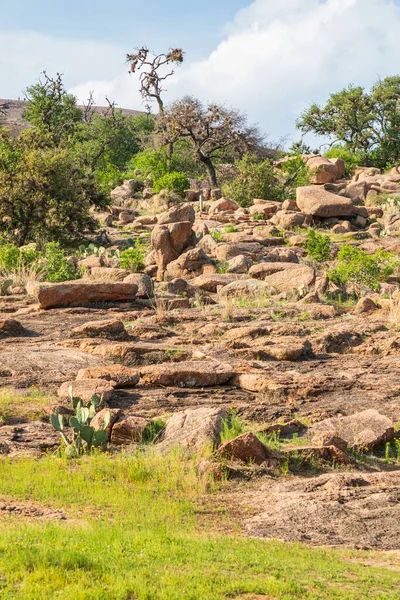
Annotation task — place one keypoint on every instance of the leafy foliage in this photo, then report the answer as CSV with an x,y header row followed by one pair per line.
x,y
366,122
105,144
153,431
318,246
363,270
133,258
57,268
174,182
297,174
255,179
51,110
232,426
44,194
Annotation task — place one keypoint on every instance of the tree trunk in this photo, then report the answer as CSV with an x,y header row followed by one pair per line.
x,y
207,162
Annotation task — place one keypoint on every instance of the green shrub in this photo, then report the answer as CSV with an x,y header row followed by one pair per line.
x,y
318,246
13,259
45,193
57,268
9,257
351,159
254,179
358,268
217,236
174,182
259,217
133,258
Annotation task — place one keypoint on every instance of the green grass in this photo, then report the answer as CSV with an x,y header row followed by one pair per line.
x,y
16,409
136,528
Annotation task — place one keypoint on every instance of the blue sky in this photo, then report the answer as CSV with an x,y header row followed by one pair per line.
x,y
195,25
269,58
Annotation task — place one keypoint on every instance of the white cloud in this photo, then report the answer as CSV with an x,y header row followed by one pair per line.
x,y
276,58
25,54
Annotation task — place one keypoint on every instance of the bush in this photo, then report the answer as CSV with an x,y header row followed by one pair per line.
x,y
254,180
57,268
351,159
15,259
9,257
44,194
358,268
318,246
174,182
133,258
297,174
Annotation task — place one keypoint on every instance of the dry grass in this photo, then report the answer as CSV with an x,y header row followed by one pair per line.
x,y
22,275
33,406
393,319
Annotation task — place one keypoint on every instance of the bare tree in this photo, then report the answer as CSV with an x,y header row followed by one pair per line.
x,y
153,71
213,131
3,110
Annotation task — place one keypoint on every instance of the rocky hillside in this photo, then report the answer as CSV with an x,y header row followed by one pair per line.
x,y
235,312
15,108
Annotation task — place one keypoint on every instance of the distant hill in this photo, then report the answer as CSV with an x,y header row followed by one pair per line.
x,y
13,117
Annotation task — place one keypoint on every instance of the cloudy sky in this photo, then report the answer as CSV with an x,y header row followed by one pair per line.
x,y
268,58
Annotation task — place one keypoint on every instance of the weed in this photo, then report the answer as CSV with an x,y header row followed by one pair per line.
x,y
230,228
360,269
133,258
153,431
222,266
217,235
232,426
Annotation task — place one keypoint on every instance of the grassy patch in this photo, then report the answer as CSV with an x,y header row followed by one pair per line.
x,y
18,409
138,533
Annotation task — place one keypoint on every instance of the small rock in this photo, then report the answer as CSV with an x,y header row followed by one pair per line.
x,y
109,329
248,448
365,305
123,377
98,420
128,430
11,328
85,389
193,428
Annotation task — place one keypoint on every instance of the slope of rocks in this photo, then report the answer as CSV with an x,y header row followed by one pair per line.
x,y
231,317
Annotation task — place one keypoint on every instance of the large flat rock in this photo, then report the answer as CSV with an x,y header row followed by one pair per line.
x,y
364,430
187,374
300,276
316,201
79,293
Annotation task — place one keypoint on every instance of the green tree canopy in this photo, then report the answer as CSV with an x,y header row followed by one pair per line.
x,y
51,110
363,121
